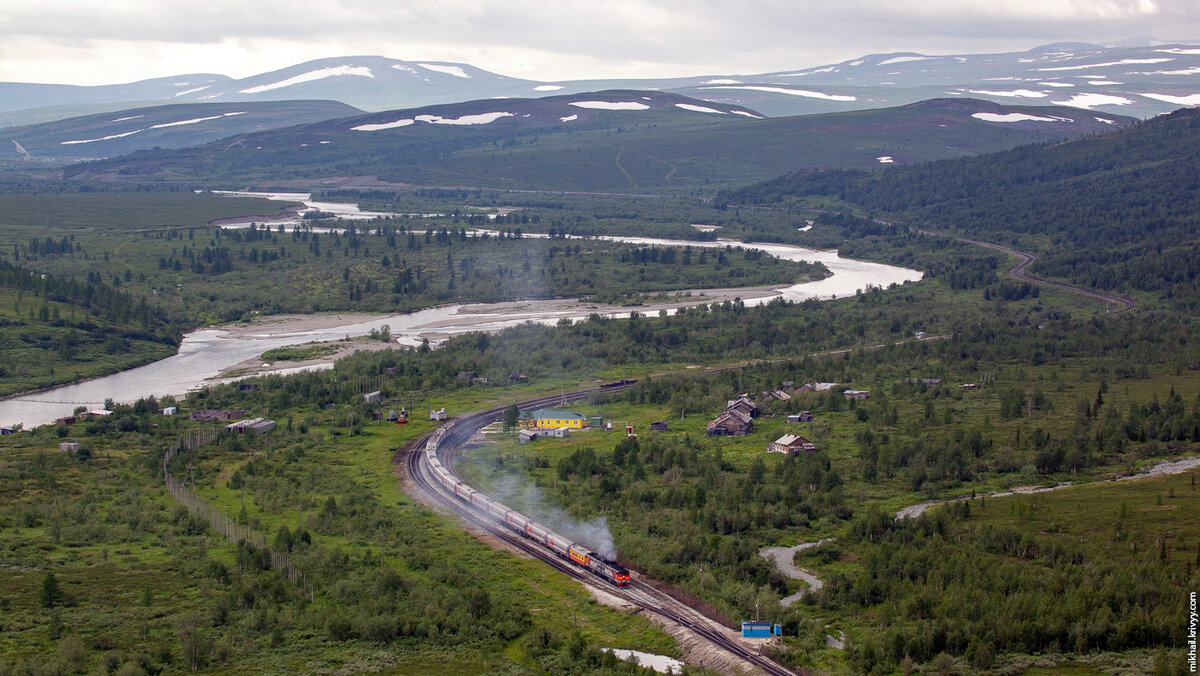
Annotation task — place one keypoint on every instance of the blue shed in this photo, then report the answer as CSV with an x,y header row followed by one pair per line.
x,y
755,629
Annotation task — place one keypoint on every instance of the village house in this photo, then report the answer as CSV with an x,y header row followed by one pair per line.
x,y
733,422
439,414
792,444
466,375
658,426
857,394
801,417
518,377
373,397
814,386
743,404
69,446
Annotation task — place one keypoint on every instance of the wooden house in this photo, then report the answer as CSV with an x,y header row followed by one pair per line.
x,y
743,404
733,422
792,444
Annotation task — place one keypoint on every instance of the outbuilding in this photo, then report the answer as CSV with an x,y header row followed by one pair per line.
x,y
756,629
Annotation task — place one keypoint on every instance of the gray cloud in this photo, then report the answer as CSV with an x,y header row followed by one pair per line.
x,y
79,41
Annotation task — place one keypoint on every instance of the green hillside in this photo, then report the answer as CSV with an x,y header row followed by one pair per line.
x,y
553,144
1117,212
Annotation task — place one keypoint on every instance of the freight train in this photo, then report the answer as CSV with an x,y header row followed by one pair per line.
x,y
576,553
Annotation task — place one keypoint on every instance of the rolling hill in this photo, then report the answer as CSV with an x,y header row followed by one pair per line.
x,y
616,140
171,126
1117,212
1142,81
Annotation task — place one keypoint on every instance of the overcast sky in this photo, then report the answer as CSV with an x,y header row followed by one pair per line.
x,y
89,42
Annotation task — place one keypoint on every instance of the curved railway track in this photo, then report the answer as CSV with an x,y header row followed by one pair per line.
x,y
638,593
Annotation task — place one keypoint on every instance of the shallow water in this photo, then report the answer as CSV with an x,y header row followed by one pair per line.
x,y
204,353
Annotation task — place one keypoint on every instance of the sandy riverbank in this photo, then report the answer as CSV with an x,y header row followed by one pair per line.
x,y
464,317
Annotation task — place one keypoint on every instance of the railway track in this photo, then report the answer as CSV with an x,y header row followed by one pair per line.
x,y
638,593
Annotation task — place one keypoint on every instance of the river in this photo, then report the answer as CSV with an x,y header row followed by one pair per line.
x,y
204,353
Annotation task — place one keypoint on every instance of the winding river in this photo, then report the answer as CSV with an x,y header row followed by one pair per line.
x,y
204,353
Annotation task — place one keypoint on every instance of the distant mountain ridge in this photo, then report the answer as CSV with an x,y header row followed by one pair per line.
x,y
612,140
1142,80
170,126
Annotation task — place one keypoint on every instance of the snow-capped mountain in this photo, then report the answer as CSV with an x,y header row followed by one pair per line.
x,y
1133,80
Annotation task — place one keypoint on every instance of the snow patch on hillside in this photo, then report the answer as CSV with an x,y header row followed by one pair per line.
x,y
699,109
456,71
131,117
481,118
547,88
902,59
1012,93
1182,71
195,120
1017,117
192,91
1105,120
746,113
1178,50
792,92
406,69
1090,101
568,118
1191,100
1122,62
721,80
1056,84
321,74
1101,83
103,138
382,125
610,105
886,159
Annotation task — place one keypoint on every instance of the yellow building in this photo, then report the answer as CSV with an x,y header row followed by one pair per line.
x,y
546,418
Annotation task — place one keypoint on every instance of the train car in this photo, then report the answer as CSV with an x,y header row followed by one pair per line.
x,y
516,521
558,544
537,532
464,492
498,511
578,555
611,571
480,501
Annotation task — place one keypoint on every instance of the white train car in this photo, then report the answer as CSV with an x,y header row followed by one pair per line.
x,y
559,544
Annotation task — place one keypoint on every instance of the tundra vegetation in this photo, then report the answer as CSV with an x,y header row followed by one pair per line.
x,y
105,572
